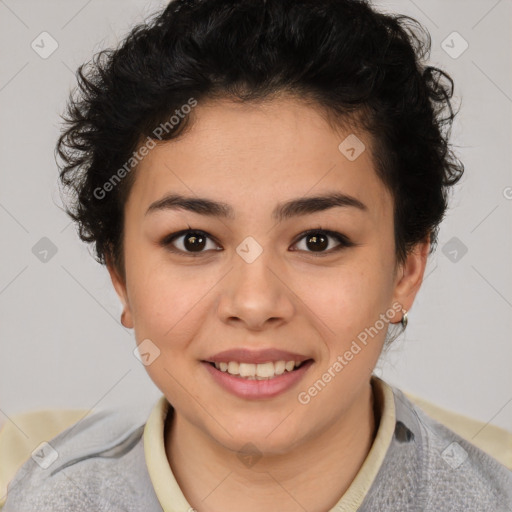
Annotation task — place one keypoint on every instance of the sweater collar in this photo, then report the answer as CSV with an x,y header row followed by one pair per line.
x,y
391,425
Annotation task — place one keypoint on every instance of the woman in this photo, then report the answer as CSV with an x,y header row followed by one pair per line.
x,y
264,181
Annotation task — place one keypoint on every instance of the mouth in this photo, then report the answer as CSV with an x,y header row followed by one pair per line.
x,y
257,381
260,371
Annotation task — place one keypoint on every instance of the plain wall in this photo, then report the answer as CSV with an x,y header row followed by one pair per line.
x,y
61,341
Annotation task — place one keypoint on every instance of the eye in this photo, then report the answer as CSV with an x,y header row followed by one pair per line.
x,y
193,243
318,240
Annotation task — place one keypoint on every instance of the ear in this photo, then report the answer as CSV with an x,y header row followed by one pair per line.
x,y
410,275
120,287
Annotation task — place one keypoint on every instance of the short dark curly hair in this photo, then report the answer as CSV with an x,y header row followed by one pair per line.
x,y
357,65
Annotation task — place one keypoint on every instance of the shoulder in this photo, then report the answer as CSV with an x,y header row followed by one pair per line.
x,y
455,474
95,464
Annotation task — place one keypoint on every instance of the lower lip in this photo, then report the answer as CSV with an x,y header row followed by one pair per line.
x,y
252,388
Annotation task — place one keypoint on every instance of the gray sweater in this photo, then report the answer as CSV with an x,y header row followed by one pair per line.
x,y
101,467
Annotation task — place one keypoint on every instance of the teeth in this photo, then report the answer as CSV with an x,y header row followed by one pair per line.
x,y
233,367
260,371
279,367
247,370
265,370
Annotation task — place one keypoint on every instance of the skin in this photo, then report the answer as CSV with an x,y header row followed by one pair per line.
x,y
193,307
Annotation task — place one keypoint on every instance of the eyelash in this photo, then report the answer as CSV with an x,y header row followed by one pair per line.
x,y
342,239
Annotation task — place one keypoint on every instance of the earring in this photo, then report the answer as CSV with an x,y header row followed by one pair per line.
x,y
404,320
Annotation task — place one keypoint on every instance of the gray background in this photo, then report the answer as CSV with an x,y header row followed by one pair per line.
x,y
61,341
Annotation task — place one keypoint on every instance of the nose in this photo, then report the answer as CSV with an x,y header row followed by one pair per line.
x,y
256,294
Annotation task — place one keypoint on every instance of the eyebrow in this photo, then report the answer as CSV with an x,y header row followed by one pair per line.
x,y
283,211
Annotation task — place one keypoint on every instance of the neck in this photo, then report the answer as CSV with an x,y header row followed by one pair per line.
x,y
213,480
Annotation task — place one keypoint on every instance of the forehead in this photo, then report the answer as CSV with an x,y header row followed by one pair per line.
x,y
256,154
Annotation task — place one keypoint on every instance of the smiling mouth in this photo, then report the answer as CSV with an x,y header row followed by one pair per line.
x,y
261,371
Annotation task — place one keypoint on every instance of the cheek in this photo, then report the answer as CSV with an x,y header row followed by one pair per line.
x,y
346,307
167,302
167,311
346,295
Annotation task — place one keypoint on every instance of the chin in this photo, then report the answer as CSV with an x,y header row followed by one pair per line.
x,y
266,441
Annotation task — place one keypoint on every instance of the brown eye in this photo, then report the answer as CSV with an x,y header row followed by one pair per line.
x,y
317,241
187,242
194,242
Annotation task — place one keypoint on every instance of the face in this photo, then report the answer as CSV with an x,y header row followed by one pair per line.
x,y
248,277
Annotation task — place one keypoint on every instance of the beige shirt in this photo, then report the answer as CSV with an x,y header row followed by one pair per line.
x,y
172,499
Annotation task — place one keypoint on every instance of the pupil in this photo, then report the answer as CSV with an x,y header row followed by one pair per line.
x,y
194,241
317,238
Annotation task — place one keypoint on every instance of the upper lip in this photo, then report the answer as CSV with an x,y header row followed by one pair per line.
x,y
244,355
